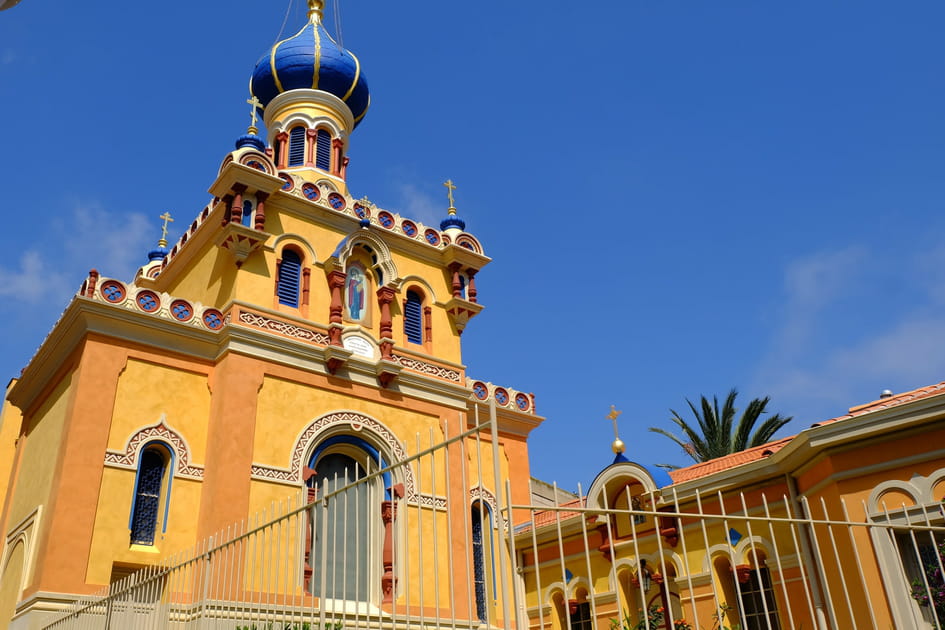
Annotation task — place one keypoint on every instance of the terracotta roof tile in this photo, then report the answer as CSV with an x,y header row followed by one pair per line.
x,y
547,517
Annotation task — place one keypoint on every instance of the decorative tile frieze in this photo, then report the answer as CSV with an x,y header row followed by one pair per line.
x,y
159,432
283,328
427,368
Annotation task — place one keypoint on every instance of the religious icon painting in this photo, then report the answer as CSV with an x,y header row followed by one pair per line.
x,y
355,293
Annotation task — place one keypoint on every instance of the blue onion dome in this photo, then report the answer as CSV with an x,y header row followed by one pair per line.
x,y
452,221
251,140
311,60
158,252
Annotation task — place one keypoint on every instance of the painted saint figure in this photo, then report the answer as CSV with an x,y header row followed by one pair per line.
x,y
355,293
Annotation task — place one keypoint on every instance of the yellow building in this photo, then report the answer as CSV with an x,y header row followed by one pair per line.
x,y
292,335
826,529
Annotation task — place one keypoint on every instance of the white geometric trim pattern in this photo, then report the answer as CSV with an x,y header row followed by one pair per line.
x,y
427,368
482,494
283,328
159,431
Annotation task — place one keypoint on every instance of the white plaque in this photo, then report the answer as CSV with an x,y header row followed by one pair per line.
x,y
358,345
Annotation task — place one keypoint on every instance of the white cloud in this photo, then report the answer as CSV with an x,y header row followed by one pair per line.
x,y
420,206
54,266
816,368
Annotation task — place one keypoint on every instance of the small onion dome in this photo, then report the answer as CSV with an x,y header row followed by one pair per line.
x,y
452,221
251,140
311,60
158,253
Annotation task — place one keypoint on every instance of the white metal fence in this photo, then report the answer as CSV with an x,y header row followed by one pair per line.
x,y
361,549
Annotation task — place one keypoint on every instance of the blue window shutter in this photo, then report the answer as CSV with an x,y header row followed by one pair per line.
x,y
297,146
290,271
247,218
323,150
413,318
147,498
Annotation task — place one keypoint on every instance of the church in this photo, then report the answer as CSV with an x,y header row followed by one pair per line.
x,y
292,334
270,425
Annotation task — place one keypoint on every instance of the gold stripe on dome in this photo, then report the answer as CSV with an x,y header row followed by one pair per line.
x,y
366,107
272,60
357,75
318,56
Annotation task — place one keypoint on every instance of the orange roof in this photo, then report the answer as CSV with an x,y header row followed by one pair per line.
x,y
547,517
765,450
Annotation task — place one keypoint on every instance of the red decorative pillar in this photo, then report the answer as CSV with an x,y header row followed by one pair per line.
x,y
276,283
471,287
336,282
282,145
427,324
93,280
344,167
236,210
385,295
388,515
337,146
457,284
227,201
306,282
312,135
260,223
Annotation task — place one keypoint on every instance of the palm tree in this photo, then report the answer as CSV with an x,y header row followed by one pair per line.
x,y
717,433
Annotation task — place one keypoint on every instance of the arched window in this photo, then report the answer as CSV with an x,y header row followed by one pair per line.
x,y
413,317
288,277
483,559
151,484
247,216
346,530
323,150
297,146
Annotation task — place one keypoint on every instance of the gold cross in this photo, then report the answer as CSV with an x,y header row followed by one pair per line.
x,y
255,102
613,417
167,219
450,187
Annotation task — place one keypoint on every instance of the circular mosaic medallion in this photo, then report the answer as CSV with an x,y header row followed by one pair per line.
x,y
310,191
501,396
289,183
113,291
386,219
409,228
522,402
432,236
213,319
480,390
181,310
446,240
148,301
361,211
336,201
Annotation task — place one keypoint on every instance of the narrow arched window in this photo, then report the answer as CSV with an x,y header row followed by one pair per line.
x,y
147,500
413,317
483,561
247,217
297,146
323,150
287,280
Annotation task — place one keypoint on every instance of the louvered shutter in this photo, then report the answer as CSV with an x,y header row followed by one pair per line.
x,y
297,146
147,498
288,282
413,318
323,150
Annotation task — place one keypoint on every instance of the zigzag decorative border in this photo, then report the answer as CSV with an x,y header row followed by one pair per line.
x,y
427,368
482,494
160,431
283,328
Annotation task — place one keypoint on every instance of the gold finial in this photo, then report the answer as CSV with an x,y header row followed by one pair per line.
x,y
618,446
450,187
167,219
255,102
315,8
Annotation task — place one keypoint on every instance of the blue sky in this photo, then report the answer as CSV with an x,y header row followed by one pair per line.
x,y
679,197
